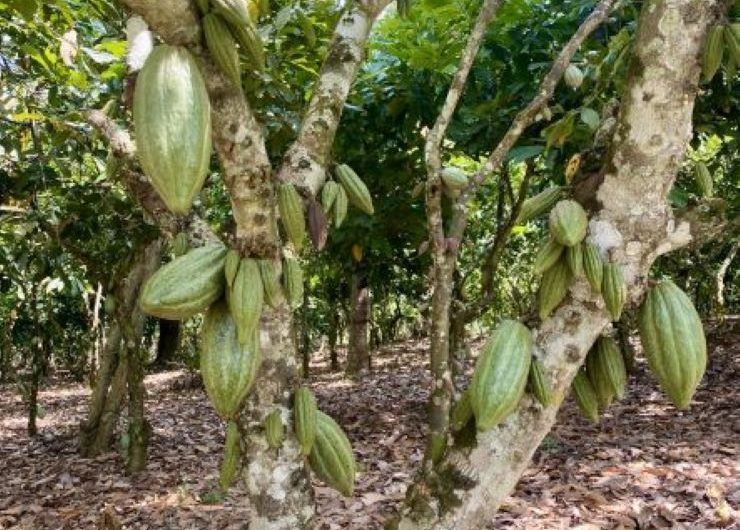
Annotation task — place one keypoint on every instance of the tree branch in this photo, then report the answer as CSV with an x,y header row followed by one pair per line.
x,y
305,161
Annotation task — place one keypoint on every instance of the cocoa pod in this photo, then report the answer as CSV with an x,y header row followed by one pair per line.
x,y
304,419
293,282
553,288
290,207
204,6
573,76
539,204
614,290
180,244
357,191
340,207
548,255
232,456
703,179
245,299
538,384
605,366
454,179
273,291
235,12
329,195
713,50
222,47
462,412
585,396
331,457
251,44
274,430
231,266
593,267
568,223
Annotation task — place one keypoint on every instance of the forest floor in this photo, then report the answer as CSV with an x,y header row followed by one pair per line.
x,y
644,466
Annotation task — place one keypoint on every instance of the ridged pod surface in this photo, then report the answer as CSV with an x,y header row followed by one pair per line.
x,y
593,266
539,204
236,12
574,258
331,457
290,206
500,375
329,195
251,43
186,285
172,121
573,76
341,204
227,367
605,366
304,418
614,290
553,288
231,266
231,458
568,223
245,299
548,255
273,291
713,50
585,396
356,189
274,430
454,178
462,412
293,282
222,47
538,384
602,387
673,340
703,179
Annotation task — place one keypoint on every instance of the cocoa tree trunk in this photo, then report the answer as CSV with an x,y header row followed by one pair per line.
x,y
332,336
633,227
167,343
358,351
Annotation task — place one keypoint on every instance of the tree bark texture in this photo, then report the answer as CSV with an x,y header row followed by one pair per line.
x,y
358,350
632,227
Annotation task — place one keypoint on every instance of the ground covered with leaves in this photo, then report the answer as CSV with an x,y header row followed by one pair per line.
x,y
645,466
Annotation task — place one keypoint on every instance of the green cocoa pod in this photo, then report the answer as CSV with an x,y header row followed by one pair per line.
x,y
500,375
568,223
245,299
539,204
454,179
340,207
180,244
602,387
293,282
329,195
304,419
462,413
235,12
703,179
203,6
548,255
436,447
732,42
222,47
232,456
290,206
605,367
273,291
673,340
553,288
538,384
357,192
231,266
251,44
573,76
593,267
172,121
228,368
713,50
574,258
274,430
585,396
614,290
186,285
331,456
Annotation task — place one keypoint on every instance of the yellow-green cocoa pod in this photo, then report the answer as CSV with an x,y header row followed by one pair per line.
x,y
231,266
703,179
462,412
329,195
713,50
228,368
180,244
222,46
614,290
186,285
203,6
602,387
548,255
340,207
293,282
245,299
673,340
605,367
574,258
538,384
500,375
357,192
593,266
232,454
568,223
454,179
273,291
291,214
251,44
585,396
573,76
235,12
331,457
539,204
172,121
553,288
274,430
732,42
304,419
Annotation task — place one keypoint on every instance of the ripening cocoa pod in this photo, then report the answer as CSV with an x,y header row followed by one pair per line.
x,y
245,299
568,223
593,266
331,457
614,290
553,288
548,255
304,419
290,206
538,384
340,207
329,195
585,396
574,258
222,47
357,191
273,291
703,179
